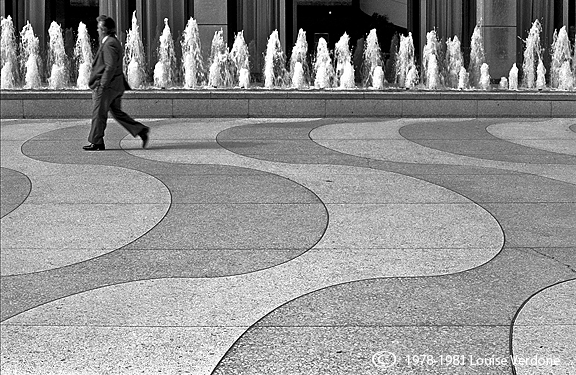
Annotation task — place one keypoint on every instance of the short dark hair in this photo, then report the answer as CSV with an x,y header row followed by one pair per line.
x,y
108,23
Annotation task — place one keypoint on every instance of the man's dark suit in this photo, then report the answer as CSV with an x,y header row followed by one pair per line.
x,y
108,84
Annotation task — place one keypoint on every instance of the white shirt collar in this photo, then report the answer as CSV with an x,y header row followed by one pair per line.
x,y
104,39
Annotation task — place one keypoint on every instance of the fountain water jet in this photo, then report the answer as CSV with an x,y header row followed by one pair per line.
x,y
372,58
323,69
344,77
83,55
463,79
430,58
8,60
532,55
134,56
484,77
275,73
163,75
561,75
241,59
299,62
454,62
541,76
477,57
57,58
405,61
30,47
513,78
219,73
192,64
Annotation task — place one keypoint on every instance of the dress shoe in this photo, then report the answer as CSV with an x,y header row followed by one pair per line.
x,y
93,147
144,135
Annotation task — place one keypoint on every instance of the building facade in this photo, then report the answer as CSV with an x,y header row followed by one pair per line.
x,y
504,22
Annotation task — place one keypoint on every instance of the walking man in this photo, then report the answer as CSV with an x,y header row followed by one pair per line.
x,y
108,84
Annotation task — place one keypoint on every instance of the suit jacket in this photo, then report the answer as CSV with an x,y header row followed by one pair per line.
x,y
107,67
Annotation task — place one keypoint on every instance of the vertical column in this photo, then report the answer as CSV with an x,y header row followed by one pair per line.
x,y
151,15
118,10
35,12
211,16
498,20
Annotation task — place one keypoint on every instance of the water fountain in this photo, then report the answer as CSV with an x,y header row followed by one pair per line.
x,y
8,59
541,76
430,57
484,77
454,62
532,55
405,62
372,58
134,65
30,58
163,70
513,78
299,62
463,79
192,63
83,56
219,72
57,59
441,68
344,74
241,59
477,57
561,75
323,69
275,73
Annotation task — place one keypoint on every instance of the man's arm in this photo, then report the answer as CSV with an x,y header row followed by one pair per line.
x,y
111,54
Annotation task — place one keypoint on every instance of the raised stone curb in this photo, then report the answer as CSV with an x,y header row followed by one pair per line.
x,y
289,103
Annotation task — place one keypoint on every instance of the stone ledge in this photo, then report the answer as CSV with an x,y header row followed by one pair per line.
x,y
294,103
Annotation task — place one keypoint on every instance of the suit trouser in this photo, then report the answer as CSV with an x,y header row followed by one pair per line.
x,y
110,100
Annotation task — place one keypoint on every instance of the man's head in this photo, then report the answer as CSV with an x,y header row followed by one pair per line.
x,y
106,26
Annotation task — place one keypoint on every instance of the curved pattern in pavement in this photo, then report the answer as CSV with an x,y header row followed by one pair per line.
x,y
15,188
222,221
412,259
544,330
468,313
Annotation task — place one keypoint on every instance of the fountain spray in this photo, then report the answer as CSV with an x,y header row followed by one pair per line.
x,y
405,61
430,58
561,76
30,58
323,69
8,60
134,56
192,63
241,59
372,58
477,57
220,74
299,62
532,55
484,77
57,59
513,78
454,62
344,77
83,55
275,73
163,75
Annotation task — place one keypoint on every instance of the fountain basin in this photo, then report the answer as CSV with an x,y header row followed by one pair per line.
x,y
258,102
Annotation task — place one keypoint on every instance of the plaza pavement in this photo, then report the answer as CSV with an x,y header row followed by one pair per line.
x,y
290,246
